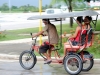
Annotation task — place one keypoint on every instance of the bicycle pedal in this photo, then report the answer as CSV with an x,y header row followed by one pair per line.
x,y
48,62
45,59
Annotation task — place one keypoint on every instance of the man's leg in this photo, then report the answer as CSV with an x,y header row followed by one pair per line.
x,y
51,47
49,53
47,56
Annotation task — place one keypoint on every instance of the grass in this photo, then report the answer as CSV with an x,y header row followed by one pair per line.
x,y
18,34
98,26
24,33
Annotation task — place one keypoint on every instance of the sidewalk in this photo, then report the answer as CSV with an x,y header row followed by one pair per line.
x,y
16,41
39,58
21,40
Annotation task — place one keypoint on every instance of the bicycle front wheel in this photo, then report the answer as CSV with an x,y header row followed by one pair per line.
x,y
27,60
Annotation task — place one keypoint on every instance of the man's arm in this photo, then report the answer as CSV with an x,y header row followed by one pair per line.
x,y
39,33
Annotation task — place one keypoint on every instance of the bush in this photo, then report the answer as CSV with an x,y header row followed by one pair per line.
x,y
98,26
2,34
95,49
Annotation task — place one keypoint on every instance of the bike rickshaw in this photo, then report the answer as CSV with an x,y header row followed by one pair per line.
x,y
74,62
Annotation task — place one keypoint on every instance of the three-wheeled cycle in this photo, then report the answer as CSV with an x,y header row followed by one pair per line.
x,y
77,58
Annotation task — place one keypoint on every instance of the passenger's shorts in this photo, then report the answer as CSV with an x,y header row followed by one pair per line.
x,y
74,43
44,47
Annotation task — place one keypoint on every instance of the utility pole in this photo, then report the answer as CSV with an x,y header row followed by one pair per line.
x,y
40,27
9,6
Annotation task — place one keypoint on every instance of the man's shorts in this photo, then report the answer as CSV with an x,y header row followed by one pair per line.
x,y
44,47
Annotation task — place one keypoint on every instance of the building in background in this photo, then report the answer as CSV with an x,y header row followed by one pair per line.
x,y
95,5
64,8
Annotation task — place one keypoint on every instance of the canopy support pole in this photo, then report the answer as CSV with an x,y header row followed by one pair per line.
x,y
95,22
60,32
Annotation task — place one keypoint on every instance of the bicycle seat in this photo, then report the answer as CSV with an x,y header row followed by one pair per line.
x,y
74,48
90,35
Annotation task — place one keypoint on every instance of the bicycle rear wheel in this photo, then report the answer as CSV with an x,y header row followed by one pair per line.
x,y
73,64
27,60
88,61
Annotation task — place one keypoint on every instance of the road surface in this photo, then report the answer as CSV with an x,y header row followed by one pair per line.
x,y
19,21
12,67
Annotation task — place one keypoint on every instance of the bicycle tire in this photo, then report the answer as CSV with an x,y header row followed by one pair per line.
x,y
69,63
28,57
89,58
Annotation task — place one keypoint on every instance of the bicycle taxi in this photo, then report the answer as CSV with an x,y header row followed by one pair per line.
x,y
77,59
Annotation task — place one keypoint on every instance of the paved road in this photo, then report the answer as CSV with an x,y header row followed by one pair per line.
x,y
12,67
25,24
19,21
14,49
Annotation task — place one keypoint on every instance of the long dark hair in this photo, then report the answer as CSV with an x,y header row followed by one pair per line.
x,y
80,19
47,20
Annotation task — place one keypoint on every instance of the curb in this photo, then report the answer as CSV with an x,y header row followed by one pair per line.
x,y
39,58
16,41
26,40
14,57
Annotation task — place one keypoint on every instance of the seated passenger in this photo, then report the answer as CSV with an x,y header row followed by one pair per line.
x,y
76,36
87,21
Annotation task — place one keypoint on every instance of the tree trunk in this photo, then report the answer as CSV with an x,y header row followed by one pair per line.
x,y
70,10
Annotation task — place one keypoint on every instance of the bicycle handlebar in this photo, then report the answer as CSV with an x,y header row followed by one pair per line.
x,y
31,35
36,37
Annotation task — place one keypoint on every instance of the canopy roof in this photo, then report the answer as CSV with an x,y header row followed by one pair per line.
x,y
65,15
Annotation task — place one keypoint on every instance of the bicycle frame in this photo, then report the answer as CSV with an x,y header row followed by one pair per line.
x,y
35,48
79,58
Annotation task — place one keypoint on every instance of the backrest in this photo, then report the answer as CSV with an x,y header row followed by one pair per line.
x,y
90,34
83,37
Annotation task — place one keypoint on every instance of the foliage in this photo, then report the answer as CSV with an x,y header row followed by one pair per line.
x,y
25,8
72,4
95,48
4,7
89,0
2,34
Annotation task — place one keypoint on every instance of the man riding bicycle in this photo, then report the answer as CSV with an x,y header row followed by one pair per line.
x,y
53,38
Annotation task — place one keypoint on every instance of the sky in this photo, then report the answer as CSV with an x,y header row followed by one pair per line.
x,y
31,2
24,2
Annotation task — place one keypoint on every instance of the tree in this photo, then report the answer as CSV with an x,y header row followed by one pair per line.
x,y
14,7
69,4
24,8
90,0
0,8
5,7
